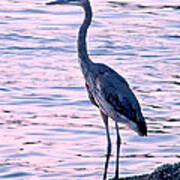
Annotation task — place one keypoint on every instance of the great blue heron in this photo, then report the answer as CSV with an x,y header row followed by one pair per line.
x,y
106,88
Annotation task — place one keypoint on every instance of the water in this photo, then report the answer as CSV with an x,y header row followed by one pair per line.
x,y
49,129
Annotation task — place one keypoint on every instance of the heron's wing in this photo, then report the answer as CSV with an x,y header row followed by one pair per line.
x,y
114,90
117,93
120,102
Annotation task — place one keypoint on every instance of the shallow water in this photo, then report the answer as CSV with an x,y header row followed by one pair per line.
x,y
49,129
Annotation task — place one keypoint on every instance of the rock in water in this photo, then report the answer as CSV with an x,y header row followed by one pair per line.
x,y
164,172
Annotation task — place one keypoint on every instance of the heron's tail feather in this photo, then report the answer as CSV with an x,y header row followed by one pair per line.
x,y
142,128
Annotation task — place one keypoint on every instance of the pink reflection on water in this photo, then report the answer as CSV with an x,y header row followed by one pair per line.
x,y
48,126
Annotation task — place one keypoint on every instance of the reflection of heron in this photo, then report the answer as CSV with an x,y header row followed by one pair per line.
x,y
107,89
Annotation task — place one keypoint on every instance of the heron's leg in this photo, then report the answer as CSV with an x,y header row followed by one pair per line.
x,y
105,119
118,151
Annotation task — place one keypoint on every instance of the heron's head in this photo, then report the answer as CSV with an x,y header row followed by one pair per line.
x,y
70,2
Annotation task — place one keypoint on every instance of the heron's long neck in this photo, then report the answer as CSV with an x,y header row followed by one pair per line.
x,y
84,60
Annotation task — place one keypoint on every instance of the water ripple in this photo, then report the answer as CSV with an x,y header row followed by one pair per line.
x,y
49,129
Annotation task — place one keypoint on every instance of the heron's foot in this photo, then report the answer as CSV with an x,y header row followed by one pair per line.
x,y
114,178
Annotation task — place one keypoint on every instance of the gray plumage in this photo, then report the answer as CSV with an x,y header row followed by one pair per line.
x,y
107,90
112,95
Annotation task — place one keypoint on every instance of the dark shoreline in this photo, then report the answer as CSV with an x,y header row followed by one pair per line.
x,y
164,172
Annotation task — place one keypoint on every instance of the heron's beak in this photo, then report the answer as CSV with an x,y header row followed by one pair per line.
x,y
57,2
70,2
